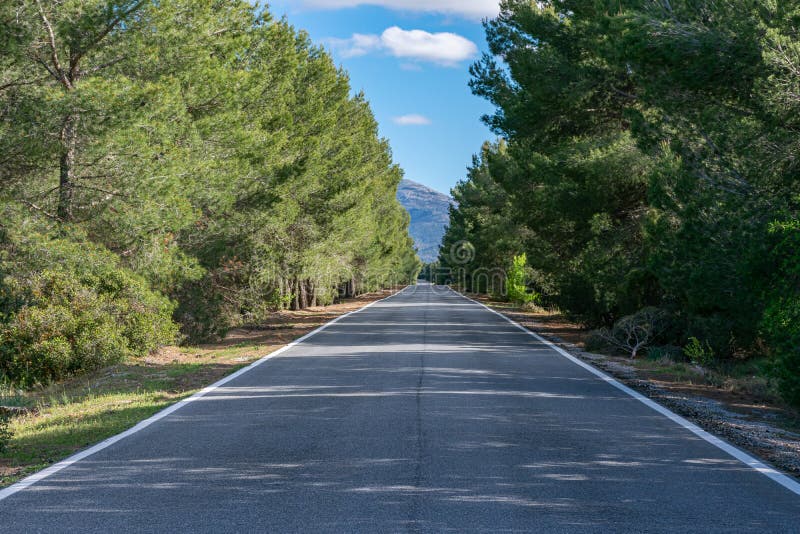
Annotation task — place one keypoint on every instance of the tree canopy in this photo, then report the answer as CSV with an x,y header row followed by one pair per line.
x,y
210,151
648,159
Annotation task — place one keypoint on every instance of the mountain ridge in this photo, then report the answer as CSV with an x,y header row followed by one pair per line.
x,y
430,214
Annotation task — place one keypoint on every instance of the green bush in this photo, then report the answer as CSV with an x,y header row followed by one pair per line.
x,y
70,306
202,312
719,334
782,326
595,341
516,282
698,352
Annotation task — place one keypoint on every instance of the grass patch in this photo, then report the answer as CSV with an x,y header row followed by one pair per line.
x,y
677,370
183,369
67,417
40,439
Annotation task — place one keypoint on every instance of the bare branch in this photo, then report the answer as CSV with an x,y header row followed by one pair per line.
x,y
623,93
41,210
17,83
634,332
52,73
53,48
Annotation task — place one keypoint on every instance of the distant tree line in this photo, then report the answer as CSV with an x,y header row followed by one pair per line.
x,y
649,159
177,165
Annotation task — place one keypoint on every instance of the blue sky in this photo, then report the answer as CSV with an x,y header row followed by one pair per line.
x,y
411,59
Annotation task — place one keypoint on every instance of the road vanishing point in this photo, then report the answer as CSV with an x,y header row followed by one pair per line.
x,y
425,412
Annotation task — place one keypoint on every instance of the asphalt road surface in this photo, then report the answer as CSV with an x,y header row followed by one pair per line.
x,y
422,413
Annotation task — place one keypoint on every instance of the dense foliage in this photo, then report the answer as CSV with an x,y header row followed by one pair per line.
x,y
186,156
70,306
649,160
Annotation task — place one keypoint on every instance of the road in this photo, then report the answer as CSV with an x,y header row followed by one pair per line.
x,y
422,413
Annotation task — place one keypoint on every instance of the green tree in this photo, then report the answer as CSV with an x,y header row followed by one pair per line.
x,y
576,180
483,232
214,151
651,150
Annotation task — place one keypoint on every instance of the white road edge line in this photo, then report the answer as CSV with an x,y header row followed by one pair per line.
x,y
55,468
737,453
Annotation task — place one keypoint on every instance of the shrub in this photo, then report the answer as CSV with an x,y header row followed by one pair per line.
x,y
516,282
70,306
782,326
202,312
596,341
634,332
699,353
717,332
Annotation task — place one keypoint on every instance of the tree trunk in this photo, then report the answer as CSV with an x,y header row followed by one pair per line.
x,y
285,290
312,290
296,297
66,183
303,294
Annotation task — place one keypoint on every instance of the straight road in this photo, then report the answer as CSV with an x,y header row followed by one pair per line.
x,y
423,413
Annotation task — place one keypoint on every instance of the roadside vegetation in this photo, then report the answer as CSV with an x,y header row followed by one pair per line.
x,y
171,170
648,171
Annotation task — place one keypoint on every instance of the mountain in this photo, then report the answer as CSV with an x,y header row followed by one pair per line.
x,y
429,216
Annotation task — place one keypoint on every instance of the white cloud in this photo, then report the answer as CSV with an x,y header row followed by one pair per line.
x,y
358,45
474,9
412,120
443,48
